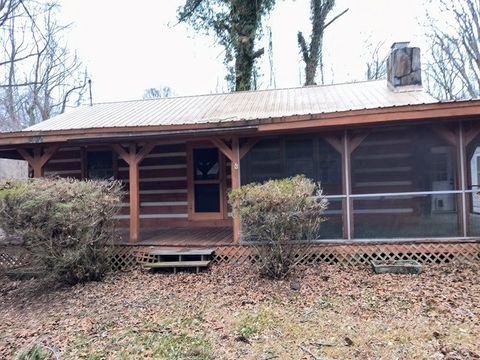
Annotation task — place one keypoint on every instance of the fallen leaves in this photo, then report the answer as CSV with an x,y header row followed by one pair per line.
x,y
231,313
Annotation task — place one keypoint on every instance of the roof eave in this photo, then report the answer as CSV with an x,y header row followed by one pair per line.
x,y
445,110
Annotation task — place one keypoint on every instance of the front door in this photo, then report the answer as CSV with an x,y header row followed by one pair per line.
x,y
206,183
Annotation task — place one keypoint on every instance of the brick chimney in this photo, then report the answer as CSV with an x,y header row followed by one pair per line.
x,y
403,67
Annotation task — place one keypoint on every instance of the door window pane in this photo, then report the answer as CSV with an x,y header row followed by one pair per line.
x,y
206,166
207,198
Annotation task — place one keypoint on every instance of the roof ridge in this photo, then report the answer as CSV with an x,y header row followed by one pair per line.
x,y
237,92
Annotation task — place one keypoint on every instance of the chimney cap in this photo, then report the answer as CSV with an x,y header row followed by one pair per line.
x,y
400,45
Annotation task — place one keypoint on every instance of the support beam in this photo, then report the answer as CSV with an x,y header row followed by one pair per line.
x,y
229,152
121,152
234,155
26,155
451,137
133,157
236,184
83,162
355,141
347,208
336,143
248,146
346,146
134,195
471,134
144,151
38,160
224,148
462,165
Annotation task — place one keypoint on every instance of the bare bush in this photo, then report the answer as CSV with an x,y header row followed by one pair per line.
x,y
279,218
66,225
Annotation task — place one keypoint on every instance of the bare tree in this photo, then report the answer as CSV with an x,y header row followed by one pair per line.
x,y
453,71
39,76
7,10
312,54
376,63
160,92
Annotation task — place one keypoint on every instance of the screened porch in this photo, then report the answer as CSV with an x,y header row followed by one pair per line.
x,y
415,182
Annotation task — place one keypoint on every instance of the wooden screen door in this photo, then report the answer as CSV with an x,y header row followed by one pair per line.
x,y
206,183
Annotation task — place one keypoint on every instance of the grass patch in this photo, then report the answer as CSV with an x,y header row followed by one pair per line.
x,y
250,325
147,343
81,348
167,346
36,352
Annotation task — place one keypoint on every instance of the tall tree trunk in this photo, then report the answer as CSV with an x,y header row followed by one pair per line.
x,y
320,9
245,22
312,54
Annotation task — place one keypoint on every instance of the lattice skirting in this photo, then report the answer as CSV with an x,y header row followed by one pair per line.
x,y
438,253
12,257
127,257
363,254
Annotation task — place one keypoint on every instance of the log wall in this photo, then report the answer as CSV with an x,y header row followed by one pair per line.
x,y
163,183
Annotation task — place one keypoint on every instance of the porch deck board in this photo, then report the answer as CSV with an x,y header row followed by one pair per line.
x,y
180,237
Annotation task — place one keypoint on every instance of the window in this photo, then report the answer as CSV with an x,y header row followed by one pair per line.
x,y
100,165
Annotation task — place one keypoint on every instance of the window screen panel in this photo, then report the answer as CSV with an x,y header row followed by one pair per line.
x,y
299,157
329,168
403,159
406,216
263,162
100,165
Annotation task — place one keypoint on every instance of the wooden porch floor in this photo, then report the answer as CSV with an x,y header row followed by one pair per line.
x,y
180,237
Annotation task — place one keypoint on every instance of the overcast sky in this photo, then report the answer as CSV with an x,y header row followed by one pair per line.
x,y
130,46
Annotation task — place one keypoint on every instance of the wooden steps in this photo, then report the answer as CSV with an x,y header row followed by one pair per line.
x,y
177,264
178,258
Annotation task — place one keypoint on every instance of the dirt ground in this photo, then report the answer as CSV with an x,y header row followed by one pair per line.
x,y
230,313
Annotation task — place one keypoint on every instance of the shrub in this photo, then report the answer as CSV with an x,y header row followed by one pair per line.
x,y
66,225
279,218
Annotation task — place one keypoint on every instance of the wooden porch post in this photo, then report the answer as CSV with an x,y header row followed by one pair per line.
x,y
346,146
462,167
235,154
347,186
466,137
455,138
236,184
134,194
350,145
38,160
133,158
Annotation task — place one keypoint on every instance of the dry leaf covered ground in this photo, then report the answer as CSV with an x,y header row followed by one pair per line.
x,y
229,313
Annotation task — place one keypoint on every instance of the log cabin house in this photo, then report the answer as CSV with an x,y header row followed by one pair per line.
x,y
397,166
